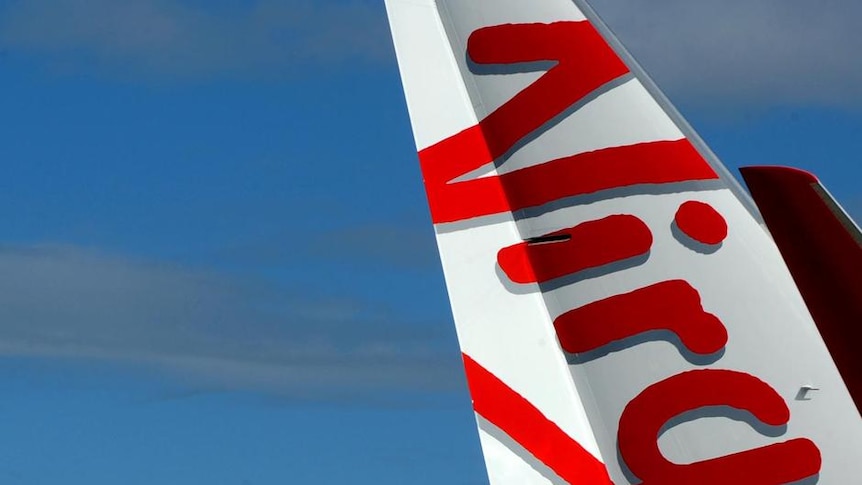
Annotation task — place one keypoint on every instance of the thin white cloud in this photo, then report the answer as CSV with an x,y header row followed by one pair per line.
x,y
390,244
398,246
176,39
764,52
67,302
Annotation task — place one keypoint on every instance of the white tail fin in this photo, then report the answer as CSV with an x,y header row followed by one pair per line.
x,y
622,313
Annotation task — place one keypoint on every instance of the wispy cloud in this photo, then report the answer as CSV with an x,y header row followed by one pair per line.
x,y
764,52
398,246
391,245
177,39
67,302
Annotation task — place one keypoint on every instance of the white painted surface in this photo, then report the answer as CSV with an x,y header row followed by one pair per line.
x,y
505,466
436,98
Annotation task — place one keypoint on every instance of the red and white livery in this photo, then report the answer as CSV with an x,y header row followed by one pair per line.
x,y
623,313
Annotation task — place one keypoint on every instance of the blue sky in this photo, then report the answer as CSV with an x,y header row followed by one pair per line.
x,y
216,261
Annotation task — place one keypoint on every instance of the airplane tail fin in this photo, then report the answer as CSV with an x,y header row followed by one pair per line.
x,y
623,315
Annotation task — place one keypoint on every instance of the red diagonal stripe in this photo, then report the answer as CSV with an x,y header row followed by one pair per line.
x,y
652,163
515,416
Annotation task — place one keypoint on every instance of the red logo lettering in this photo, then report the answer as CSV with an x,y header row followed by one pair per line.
x,y
589,245
644,418
701,222
672,306
584,63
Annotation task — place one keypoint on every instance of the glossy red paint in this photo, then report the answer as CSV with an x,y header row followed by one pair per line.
x,y
702,223
672,306
586,246
645,418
